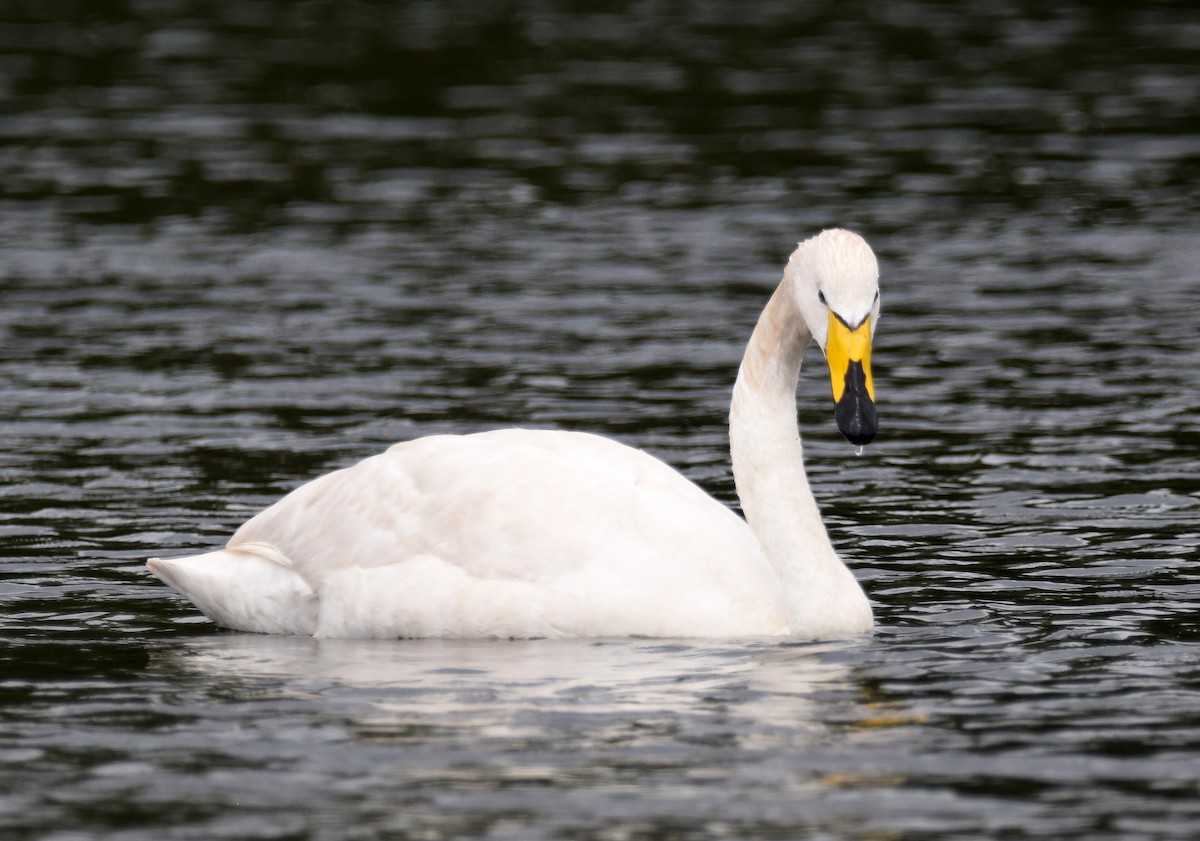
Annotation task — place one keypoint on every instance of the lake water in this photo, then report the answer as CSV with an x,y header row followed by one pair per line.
x,y
245,243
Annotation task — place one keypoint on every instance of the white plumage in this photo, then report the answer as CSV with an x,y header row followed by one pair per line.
x,y
520,533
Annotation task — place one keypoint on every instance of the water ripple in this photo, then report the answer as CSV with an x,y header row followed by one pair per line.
x,y
255,242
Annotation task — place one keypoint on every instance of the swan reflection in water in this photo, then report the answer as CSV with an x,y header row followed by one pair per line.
x,y
503,681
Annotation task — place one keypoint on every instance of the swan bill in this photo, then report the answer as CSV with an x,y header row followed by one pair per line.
x,y
848,352
855,411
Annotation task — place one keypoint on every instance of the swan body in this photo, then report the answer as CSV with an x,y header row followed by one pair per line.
x,y
523,533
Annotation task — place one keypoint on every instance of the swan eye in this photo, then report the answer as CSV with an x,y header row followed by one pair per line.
x,y
820,296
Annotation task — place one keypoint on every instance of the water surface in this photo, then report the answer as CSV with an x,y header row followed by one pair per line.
x,y
245,243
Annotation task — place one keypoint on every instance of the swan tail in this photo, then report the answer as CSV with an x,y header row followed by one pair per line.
x,y
248,588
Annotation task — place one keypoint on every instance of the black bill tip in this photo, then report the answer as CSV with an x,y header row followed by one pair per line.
x,y
855,412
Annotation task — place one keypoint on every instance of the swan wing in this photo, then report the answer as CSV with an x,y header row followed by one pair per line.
x,y
516,533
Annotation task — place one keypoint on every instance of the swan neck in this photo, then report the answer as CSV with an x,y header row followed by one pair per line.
x,y
771,365
821,595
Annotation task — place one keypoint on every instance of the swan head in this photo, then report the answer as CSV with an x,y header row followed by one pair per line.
x,y
836,288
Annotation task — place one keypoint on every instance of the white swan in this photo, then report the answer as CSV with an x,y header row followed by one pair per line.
x,y
520,533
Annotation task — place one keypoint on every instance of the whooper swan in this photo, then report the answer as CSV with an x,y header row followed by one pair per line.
x,y
523,533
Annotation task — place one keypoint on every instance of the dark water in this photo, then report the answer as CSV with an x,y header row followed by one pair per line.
x,y
245,243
